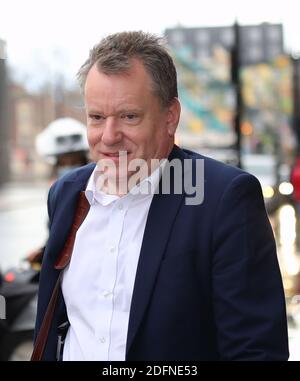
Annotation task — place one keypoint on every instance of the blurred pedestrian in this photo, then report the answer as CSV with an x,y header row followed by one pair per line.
x,y
63,144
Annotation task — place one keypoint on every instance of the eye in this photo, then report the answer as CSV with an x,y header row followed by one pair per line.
x,y
129,116
95,116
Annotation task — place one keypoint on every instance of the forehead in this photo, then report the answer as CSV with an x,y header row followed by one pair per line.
x,y
133,85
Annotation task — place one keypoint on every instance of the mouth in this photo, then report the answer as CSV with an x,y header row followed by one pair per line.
x,y
114,155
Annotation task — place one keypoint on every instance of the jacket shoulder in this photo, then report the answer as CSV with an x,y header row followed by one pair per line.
x,y
77,174
214,168
80,174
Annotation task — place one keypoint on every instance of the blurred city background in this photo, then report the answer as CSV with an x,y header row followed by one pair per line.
x,y
239,85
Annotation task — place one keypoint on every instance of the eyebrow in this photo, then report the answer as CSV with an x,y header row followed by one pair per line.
x,y
123,110
93,111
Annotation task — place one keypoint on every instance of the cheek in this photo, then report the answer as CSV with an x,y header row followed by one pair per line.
x,y
93,136
141,143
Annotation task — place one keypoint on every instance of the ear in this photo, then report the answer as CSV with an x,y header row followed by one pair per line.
x,y
173,116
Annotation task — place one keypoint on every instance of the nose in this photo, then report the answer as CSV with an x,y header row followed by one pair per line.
x,y
112,134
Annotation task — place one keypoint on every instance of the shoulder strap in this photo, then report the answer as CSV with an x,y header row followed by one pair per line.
x,y
41,339
63,260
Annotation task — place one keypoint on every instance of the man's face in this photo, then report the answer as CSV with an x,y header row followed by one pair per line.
x,y
123,114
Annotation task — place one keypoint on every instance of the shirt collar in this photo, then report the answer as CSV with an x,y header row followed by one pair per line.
x,y
94,196
145,188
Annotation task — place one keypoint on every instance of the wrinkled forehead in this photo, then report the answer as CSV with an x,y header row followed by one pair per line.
x,y
131,86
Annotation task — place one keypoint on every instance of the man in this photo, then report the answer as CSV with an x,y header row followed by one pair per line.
x,y
153,276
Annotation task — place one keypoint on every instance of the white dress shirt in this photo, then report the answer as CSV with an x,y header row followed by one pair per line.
x,y
98,283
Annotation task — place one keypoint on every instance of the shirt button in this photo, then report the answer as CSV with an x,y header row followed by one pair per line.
x,y
106,294
112,249
102,340
120,206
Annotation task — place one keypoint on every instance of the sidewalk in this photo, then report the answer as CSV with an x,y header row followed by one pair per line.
x,y
23,220
16,195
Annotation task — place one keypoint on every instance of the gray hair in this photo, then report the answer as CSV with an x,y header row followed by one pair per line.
x,y
113,54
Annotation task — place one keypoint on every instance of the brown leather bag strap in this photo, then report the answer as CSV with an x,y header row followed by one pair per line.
x,y
63,260
45,327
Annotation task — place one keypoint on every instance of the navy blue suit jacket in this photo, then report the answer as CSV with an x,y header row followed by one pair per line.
x,y
208,285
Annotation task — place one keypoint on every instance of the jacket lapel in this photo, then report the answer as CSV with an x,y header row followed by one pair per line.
x,y
64,214
159,224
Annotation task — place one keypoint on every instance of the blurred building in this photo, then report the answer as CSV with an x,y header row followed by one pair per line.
x,y
204,60
29,114
4,132
259,43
